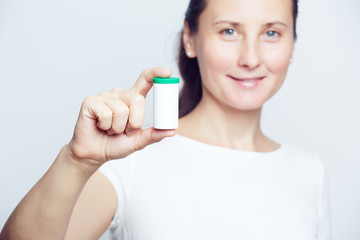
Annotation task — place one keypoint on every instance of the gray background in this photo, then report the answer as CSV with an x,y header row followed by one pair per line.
x,y
55,53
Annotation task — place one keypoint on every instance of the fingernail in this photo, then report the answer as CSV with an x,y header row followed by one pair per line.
x,y
172,133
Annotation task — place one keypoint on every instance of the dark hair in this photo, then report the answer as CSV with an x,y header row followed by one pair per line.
x,y
191,92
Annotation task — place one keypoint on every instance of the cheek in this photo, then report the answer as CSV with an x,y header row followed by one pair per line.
x,y
215,57
277,59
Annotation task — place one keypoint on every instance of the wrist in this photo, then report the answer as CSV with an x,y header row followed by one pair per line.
x,y
86,167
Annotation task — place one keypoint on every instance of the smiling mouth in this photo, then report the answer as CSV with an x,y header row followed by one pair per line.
x,y
248,83
247,79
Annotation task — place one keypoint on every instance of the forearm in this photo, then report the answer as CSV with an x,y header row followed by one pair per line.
x,y
45,211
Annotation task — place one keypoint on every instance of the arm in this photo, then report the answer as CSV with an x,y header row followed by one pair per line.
x,y
108,127
94,209
45,211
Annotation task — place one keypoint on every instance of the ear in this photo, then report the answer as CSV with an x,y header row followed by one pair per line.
x,y
189,41
292,54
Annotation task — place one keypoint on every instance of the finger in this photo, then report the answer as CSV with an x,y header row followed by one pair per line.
x,y
120,112
144,82
137,113
150,136
94,108
136,104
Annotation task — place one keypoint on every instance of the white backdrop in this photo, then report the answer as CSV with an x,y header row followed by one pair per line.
x,y
55,53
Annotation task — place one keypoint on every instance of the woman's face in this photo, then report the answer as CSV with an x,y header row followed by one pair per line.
x,y
243,48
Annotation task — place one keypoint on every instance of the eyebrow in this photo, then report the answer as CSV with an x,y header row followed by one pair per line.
x,y
237,24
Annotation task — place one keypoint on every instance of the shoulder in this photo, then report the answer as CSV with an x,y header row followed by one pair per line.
x,y
304,157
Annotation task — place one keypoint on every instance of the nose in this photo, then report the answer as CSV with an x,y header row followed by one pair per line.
x,y
249,56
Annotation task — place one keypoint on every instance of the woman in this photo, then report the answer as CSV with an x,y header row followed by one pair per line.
x,y
220,177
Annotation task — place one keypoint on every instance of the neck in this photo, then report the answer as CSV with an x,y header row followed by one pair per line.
x,y
221,125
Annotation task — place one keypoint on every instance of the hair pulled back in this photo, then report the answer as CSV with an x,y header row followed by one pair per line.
x,y
191,92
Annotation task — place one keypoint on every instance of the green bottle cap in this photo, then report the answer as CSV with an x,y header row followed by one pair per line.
x,y
170,80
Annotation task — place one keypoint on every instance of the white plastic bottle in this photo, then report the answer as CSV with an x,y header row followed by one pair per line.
x,y
166,103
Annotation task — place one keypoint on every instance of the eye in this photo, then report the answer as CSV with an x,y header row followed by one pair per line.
x,y
229,31
272,34
229,34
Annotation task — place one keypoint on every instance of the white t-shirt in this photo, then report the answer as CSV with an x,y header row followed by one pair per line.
x,y
182,189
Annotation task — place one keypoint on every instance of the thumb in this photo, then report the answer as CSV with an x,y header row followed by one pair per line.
x,y
152,135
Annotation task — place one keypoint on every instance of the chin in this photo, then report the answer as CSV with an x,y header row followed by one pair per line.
x,y
249,107
246,104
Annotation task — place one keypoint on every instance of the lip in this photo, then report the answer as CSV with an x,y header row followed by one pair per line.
x,y
248,82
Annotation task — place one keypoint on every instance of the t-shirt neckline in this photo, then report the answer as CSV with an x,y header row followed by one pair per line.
x,y
230,151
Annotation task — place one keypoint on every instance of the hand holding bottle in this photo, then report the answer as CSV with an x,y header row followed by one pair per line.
x,y
109,125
